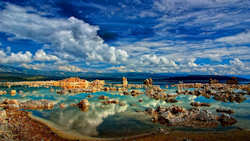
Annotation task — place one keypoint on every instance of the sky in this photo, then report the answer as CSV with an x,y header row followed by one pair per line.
x,y
156,36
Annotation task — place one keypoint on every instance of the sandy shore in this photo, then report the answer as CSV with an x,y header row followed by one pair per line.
x,y
26,127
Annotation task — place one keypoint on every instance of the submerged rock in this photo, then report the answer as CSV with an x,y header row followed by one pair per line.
x,y
61,91
83,105
20,92
111,101
103,97
198,104
90,96
62,105
51,90
125,93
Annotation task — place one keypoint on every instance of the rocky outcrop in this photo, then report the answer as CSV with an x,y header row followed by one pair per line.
x,y
148,82
28,105
10,104
156,93
179,116
219,91
37,105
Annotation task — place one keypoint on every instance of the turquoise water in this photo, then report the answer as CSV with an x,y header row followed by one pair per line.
x,y
112,119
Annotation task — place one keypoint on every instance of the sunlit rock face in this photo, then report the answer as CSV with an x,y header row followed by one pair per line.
x,y
73,82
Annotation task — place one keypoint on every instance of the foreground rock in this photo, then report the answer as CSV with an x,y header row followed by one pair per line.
x,y
196,118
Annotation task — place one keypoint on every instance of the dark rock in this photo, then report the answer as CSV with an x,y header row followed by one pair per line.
x,y
171,100
228,111
226,120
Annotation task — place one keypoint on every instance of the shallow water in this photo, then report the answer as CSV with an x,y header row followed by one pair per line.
x,y
113,120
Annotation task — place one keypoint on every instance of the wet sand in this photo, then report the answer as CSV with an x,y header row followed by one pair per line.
x,y
26,127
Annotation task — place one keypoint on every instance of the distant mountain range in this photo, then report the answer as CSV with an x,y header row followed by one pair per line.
x,y
10,73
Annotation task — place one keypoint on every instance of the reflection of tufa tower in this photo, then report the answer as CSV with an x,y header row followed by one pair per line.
x,y
124,82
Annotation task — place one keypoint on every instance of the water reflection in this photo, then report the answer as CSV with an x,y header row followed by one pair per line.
x,y
100,119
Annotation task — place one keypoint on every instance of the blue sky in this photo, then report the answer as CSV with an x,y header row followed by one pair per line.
x,y
169,36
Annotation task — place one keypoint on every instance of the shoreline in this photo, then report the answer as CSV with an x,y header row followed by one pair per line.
x,y
69,135
33,127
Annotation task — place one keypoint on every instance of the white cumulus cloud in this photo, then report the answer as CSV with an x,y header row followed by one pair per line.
x,y
20,57
40,55
71,38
